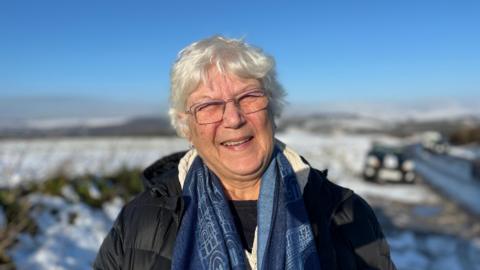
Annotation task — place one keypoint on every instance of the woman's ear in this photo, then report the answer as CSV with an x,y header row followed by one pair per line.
x,y
183,125
272,119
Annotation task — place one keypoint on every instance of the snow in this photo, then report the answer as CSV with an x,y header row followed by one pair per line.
x,y
69,193
70,232
344,156
112,208
465,152
75,122
410,259
410,251
34,160
394,111
68,238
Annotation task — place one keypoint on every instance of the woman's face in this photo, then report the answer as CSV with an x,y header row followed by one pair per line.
x,y
238,147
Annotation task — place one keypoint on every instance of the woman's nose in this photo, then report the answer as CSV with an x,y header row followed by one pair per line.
x,y
233,116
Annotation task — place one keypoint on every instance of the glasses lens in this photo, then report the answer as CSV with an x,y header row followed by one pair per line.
x,y
212,111
209,112
253,102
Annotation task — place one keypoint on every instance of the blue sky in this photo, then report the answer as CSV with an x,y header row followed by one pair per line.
x,y
120,52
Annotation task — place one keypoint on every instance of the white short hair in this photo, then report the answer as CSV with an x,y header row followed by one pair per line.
x,y
232,56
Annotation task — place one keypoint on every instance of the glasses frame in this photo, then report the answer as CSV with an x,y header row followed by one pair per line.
x,y
235,100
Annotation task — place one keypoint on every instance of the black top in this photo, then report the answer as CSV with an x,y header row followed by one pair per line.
x,y
346,231
245,216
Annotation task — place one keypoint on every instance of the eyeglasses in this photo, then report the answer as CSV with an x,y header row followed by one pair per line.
x,y
212,111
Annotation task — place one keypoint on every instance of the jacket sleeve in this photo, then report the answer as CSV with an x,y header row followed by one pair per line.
x,y
111,251
358,225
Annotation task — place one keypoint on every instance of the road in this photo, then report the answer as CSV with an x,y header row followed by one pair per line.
x,y
451,175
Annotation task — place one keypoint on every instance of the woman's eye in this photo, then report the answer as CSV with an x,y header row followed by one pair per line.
x,y
247,98
250,96
207,107
201,107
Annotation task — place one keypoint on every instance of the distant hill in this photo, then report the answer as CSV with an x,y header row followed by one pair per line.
x,y
93,118
354,123
333,122
141,126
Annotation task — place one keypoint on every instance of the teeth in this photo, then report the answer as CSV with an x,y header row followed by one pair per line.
x,y
235,143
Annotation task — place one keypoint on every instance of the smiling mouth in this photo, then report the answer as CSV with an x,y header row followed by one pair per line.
x,y
237,142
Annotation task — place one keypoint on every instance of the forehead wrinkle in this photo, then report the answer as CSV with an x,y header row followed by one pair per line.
x,y
219,84
220,81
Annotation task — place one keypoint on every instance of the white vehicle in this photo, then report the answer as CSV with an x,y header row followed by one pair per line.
x,y
434,142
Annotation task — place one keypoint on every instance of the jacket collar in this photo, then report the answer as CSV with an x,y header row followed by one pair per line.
x,y
161,179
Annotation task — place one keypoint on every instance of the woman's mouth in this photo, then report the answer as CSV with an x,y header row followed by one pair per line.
x,y
236,143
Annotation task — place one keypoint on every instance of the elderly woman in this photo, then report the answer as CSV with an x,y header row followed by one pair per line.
x,y
239,199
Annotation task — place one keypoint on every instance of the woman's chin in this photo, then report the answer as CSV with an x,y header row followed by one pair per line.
x,y
245,169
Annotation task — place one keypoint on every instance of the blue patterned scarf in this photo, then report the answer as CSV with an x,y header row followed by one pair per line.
x,y
207,237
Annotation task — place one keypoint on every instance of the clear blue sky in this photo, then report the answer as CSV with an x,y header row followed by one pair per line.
x,y
121,51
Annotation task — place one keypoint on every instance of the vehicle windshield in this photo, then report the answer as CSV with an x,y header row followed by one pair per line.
x,y
387,149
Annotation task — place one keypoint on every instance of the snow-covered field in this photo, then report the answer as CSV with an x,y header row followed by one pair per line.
x,y
34,160
70,233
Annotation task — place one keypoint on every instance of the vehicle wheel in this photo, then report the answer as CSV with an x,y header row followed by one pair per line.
x,y
380,181
409,177
368,179
369,174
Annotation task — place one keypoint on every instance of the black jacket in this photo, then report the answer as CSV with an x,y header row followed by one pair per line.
x,y
346,231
